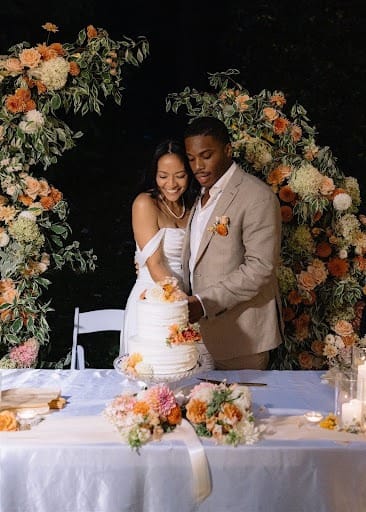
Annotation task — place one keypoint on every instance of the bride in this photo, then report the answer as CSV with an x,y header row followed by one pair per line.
x,y
159,217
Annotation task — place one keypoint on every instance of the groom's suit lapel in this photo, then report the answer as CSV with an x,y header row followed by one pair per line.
x,y
220,209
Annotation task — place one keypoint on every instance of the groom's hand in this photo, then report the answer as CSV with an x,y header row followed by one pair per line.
x,y
195,309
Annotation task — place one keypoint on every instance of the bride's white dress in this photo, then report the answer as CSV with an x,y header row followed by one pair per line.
x,y
172,244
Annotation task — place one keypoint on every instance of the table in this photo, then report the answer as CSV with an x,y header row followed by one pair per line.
x,y
274,475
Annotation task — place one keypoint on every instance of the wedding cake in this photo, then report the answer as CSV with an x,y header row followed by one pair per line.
x,y
165,340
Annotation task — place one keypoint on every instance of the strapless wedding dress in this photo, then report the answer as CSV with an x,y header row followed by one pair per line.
x,y
172,244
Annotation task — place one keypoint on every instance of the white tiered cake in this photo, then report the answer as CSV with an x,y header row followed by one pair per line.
x,y
165,341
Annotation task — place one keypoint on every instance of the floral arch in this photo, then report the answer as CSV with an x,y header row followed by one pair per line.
x,y
322,273
37,83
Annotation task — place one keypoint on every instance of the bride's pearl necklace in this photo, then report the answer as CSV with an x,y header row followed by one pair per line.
x,y
171,212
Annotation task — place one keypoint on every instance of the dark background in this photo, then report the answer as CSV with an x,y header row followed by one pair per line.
x,y
313,51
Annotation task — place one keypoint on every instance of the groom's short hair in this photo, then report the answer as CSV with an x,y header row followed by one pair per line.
x,y
208,125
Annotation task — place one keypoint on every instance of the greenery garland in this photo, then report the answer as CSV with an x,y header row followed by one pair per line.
x,y
37,83
322,273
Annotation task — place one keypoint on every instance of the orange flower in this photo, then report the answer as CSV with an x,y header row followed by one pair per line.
x,y
306,360
277,175
338,267
349,340
278,99
301,324
50,27
230,412
323,250
317,347
270,113
296,133
196,411
8,421
288,314
24,199
360,263
20,101
91,32
74,69
141,408
175,416
294,297
286,194
286,213
280,125
222,230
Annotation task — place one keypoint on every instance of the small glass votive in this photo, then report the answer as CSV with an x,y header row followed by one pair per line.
x,y
349,404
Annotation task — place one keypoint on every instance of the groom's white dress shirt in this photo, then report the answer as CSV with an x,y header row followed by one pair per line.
x,y
203,213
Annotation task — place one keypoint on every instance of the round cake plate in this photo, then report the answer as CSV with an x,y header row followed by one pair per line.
x,y
146,380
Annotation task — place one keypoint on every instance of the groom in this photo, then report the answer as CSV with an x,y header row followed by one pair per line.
x,y
231,251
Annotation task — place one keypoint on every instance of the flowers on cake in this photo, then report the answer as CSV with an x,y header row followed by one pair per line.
x,y
144,416
179,335
222,412
220,226
166,290
134,366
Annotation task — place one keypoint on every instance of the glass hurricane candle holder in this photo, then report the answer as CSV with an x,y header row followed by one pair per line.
x,y
359,367
349,402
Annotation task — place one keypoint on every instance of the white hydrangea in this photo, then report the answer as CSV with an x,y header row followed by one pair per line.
x,y
342,201
306,180
53,73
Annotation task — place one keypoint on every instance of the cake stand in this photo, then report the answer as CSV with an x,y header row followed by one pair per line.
x,y
150,379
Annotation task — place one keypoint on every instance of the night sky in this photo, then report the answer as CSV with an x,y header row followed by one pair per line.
x,y
313,51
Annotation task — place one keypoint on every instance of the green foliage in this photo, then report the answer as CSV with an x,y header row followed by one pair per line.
x,y
322,273
38,85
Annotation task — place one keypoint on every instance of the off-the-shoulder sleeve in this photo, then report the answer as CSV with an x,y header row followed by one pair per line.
x,y
150,248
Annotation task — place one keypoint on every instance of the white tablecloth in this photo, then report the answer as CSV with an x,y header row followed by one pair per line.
x,y
84,467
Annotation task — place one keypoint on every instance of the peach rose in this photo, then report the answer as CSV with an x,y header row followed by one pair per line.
x,y
343,328
327,186
30,57
8,421
306,280
13,65
306,360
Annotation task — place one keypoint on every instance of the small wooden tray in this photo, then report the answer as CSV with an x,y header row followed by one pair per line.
x,y
20,398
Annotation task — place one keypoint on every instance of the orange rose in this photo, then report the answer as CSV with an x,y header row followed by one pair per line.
x,y
286,194
196,411
8,421
306,280
343,328
286,213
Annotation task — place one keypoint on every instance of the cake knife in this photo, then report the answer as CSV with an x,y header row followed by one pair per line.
x,y
218,381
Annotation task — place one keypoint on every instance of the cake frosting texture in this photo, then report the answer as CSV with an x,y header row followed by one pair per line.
x,y
165,339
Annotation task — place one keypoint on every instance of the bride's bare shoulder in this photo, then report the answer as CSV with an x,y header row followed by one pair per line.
x,y
144,200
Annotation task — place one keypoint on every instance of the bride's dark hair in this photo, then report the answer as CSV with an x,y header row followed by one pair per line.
x,y
175,147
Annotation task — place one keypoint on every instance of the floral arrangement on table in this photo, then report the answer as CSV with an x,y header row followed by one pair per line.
x,y
144,416
37,83
8,421
322,273
222,412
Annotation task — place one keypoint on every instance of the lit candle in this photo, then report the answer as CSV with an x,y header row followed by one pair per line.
x,y
351,411
361,380
313,416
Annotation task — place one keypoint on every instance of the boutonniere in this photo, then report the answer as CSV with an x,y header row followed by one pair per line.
x,y
221,226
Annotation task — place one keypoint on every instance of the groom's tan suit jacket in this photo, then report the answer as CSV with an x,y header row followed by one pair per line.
x,y
235,275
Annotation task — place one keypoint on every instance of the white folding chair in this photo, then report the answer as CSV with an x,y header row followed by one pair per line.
x,y
87,322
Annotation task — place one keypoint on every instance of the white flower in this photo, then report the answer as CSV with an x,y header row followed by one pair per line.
x,y
32,122
4,238
27,215
342,201
343,254
53,73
